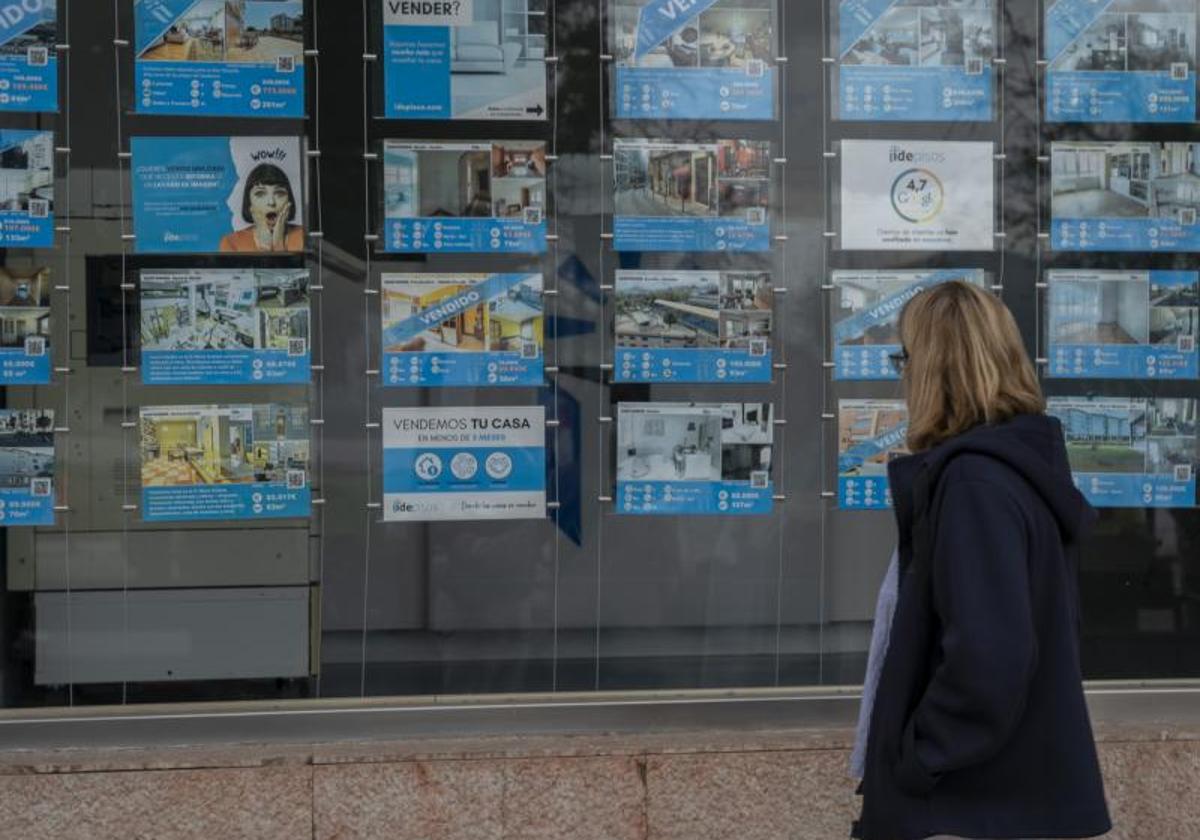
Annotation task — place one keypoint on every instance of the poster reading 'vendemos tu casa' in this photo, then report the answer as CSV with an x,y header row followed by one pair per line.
x,y
481,462
29,56
229,58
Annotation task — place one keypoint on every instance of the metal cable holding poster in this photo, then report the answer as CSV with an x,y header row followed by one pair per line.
x,y
222,58
29,56
694,59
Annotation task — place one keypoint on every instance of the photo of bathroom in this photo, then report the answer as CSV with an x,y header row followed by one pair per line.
x,y
27,450
500,180
1106,180
705,442
726,178
730,33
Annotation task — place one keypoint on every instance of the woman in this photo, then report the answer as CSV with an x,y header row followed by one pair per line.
x,y
977,726
268,206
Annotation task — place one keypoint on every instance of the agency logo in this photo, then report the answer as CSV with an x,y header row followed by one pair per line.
x,y
917,195
428,466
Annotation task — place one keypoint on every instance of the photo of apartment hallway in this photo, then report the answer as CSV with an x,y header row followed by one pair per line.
x,y
726,178
242,31
929,33
501,180
731,33
224,444
512,322
1106,180
1135,35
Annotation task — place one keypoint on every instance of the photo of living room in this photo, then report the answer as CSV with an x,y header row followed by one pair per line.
x,y
730,33
230,444
498,59
1125,180
27,450
1101,309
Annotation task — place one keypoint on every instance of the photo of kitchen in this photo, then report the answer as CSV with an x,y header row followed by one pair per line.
x,y
695,442
730,33
1105,180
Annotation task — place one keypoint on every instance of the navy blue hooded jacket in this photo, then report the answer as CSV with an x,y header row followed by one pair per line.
x,y
979,727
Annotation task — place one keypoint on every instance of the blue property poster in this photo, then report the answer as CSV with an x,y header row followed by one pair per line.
x,y
29,56
26,189
238,326
693,326
26,467
1121,61
225,462
221,58
871,433
1124,196
1131,452
464,60
917,60
695,459
476,330
218,195
1123,324
866,314
464,198
25,326
694,59
480,462
713,196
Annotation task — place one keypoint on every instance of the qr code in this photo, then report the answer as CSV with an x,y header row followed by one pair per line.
x,y
759,479
974,66
39,208
756,216
296,479
297,346
1183,472
755,68
39,487
533,215
35,345
1187,216
285,64
1186,344
1179,71
758,347
37,56
529,350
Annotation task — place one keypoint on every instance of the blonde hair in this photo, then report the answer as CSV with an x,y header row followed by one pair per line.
x,y
967,364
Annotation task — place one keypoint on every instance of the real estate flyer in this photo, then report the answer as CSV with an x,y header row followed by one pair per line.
x,y
462,329
464,463
26,467
217,194
701,59
866,314
1131,452
228,58
26,189
1123,324
209,462
464,198
695,458
239,326
25,326
917,195
712,196
1121,61
1124,196
693,326
29,56
871,433
464,60
916,60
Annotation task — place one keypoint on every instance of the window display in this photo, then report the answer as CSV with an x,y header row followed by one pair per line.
x,y
1123,324
27,467
462,329
25,326
29,56
464,463
230,58
712,59
871,433
204,462
27,199
691,196
225,327
469,197
218,195
695,458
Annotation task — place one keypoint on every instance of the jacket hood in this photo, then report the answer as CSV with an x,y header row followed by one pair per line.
x,y
1030,444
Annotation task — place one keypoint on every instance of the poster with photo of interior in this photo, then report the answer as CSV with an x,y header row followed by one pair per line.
x,y
27,464
914,60
26,189
709,59
25,325
1123,324
238,326
866,315
478,330
1131,452
695,458
693,326
465,60
1124,196
712,197
223,58
29,56
464,197
225,462
871,434
1120,61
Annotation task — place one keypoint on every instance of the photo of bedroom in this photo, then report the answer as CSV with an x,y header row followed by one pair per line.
x,y
1107,180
